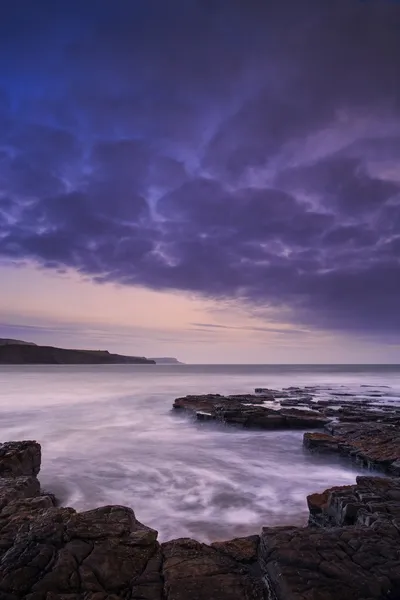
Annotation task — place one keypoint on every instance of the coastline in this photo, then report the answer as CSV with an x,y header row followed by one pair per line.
x,y
350,548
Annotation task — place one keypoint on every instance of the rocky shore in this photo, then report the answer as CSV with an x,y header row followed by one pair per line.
x,y
350,549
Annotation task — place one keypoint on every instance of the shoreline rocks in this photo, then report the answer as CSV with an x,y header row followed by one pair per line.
x,y
374,445
350,549
248,411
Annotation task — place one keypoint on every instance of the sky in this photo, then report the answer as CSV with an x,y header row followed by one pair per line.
x,y
208,179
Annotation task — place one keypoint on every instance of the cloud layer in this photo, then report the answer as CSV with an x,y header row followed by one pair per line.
x,y
234,150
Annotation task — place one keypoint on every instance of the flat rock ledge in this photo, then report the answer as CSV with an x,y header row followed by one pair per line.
x,y
248,411
350,550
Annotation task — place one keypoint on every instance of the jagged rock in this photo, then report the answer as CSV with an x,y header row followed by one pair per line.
x,y
19,458
372,499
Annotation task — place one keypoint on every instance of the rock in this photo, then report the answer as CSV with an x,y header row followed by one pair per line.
x,y
19,458
376,445
104,550
371,499
208,402
199,572
241,549
318,503
332,564
248,411
49,553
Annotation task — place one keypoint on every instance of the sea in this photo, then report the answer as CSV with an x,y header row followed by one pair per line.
x,y
109,436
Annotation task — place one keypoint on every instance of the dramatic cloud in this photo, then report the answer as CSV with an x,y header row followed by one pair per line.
x,y
236,150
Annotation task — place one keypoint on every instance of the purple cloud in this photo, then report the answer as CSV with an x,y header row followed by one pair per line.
x,y
169,146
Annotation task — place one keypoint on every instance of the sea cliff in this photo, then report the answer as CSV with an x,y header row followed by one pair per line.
x,y
27,354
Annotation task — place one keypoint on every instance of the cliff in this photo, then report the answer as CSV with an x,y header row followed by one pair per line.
x,y
24,354
167,360
7,342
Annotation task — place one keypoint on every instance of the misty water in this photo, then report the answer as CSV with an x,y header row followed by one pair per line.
x,y
109,436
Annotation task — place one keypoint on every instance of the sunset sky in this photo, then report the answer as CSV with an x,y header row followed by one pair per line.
x,y
216,180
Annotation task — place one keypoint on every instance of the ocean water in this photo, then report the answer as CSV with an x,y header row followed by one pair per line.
x,y
109,436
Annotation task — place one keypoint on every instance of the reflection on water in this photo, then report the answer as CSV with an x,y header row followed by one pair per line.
x,y
109,437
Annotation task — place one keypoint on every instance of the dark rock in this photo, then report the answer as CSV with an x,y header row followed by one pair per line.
x,y
32,354
241,549
207,402
376,445
19,458
347,505
331,564
198,572
247,411
323,442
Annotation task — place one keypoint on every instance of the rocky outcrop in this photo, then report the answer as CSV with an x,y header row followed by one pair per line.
x,y
50,553
19,458
349,551
26,354
344,563
248,411
375,445
370,500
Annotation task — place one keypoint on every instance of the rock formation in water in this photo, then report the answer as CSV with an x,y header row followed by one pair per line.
x,y
25,354
349,551
350,426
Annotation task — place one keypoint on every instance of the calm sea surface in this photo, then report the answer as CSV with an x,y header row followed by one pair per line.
x,y
109,436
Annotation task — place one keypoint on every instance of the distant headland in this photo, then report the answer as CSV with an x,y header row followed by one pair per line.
x,y
17,352
167,360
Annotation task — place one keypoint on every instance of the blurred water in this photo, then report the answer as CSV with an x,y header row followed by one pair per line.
x,y
109,436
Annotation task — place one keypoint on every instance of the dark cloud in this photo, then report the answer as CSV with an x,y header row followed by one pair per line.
x,y
342,183
236,150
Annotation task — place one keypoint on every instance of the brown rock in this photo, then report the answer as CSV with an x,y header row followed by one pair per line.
x,y
19,458
240,549
199,572
323,442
